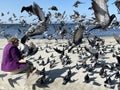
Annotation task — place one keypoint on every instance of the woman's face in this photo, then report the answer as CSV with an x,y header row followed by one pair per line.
x,y
17,43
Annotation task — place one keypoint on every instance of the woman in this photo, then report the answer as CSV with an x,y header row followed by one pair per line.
x,y
12,61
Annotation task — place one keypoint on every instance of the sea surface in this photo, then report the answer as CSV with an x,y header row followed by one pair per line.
x,y
53,30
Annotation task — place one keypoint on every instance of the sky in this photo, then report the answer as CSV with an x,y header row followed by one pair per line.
x,y
14,6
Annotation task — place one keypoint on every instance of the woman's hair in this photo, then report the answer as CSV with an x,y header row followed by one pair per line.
x,y
13,40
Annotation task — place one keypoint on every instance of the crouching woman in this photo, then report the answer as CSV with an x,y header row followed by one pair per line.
x,y
12,62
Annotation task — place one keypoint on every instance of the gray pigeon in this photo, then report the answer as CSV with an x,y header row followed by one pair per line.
x,y
101,14
117,38
36,10
77,37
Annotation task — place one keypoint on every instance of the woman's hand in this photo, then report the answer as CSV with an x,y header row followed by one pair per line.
x,y
22,61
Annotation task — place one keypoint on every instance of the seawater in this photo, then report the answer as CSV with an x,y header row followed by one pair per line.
x,y
52,29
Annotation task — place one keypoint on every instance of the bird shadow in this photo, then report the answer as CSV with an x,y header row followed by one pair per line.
x,y
14,81
3,75
92,78
94,72
56,73
96,83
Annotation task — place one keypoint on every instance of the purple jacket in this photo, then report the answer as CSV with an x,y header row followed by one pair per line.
x,y
11,56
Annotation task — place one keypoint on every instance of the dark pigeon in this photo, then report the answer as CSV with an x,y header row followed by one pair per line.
x,y
53,8
87,78
117,4
77,3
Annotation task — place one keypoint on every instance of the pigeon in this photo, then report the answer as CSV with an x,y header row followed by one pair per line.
x,y
117,38
108,81
43,78
67,78
77,3
77,37
117,75
43,62
90,68
2,14
52,64
118,59
53,8
77,66
36,10
92,51
117,66
102,14
60,51
117,4
118,86
41,27
102,72
42,72
38,29
91,42
69,72
63,32
87,78
48,60
52,55
32,49
24,39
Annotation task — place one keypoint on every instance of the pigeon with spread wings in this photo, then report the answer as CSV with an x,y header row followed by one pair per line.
x,y
102,14
34,9
41,27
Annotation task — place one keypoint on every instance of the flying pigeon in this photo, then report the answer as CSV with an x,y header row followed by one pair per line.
x,y
117,4
102,14
77,3
34,9
53,8
77,37
117,38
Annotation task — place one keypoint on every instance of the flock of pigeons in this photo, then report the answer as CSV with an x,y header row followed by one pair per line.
x,y
92,53
101,20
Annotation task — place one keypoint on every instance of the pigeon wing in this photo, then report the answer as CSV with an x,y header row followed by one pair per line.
x,y
117,38
36,30
38,11
78,35
101,11
58,51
